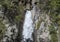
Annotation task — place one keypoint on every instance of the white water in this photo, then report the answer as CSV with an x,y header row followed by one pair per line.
x,y
28,26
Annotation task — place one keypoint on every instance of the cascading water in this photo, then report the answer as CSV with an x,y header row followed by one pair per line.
x,y
28,27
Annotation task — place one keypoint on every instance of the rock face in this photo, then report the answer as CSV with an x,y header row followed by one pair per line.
x,y
10,30
43,32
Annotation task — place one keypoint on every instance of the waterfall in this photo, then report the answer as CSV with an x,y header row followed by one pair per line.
x,y
28,27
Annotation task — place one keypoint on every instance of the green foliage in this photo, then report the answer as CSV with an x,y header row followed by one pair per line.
x,y
53,33
19,17
55,3
2,29
54,38
15,12
20,10
1,1
38,24
52,8
7,3
52,30
54,11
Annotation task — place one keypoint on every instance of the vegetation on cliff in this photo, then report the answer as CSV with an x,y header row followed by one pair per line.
x,y
15,12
